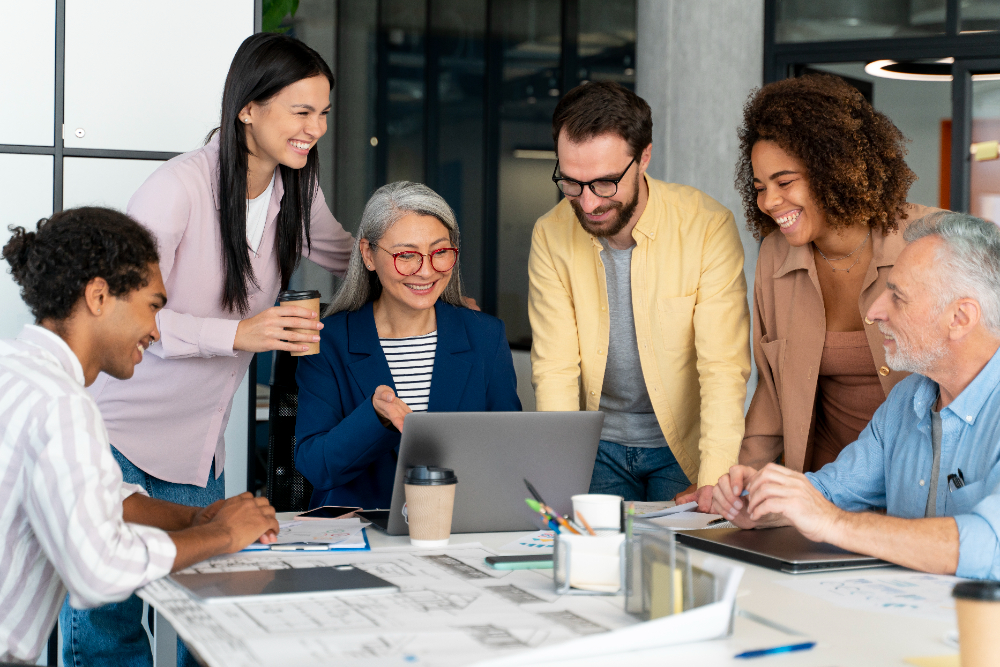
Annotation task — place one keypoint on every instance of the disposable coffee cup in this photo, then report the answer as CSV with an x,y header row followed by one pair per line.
x,y
305,299
430,499
978,606
602,511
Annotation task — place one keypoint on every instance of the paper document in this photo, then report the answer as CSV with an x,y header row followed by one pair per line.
x,y
664,508
909,593
541,542
337,533
452,609
686,520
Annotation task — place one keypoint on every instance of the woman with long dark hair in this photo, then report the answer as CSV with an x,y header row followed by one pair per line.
x,y
232,220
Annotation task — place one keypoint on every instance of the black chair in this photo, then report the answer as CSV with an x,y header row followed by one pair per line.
x,y
287,489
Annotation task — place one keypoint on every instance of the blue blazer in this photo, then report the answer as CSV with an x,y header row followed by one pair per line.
x,y
343,449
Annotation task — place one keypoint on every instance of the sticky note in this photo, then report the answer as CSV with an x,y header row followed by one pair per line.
x,y
659,591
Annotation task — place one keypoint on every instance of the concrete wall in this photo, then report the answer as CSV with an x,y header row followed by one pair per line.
x,y
696,63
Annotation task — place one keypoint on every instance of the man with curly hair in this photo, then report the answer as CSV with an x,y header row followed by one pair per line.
x,y
931,456
68,522
637,304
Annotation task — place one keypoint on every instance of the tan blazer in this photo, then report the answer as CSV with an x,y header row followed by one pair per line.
x,y
789,330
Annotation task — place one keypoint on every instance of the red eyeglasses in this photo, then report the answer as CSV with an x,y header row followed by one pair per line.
x,y
409,262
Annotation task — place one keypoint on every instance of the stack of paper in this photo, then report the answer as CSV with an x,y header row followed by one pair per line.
x,y
331,533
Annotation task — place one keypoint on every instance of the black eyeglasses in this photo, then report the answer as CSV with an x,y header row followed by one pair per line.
x,y
602,187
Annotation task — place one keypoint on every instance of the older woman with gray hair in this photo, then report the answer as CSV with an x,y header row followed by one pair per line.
x,y
398,338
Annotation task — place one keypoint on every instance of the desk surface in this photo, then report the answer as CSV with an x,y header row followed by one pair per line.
x,y
846,637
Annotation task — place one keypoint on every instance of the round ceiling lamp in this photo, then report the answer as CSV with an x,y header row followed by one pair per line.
x,y
920,70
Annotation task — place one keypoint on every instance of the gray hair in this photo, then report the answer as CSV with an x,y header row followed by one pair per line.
x,y
968,262
385,208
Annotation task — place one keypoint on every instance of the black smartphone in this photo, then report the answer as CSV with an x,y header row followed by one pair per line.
x,y
526,562
378,518
328,512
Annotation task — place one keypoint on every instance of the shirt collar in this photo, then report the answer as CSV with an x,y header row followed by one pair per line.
x,y
56,347
885,250
968,404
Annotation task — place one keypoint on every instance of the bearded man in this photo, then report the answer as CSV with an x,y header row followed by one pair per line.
x,y
638,305
930,457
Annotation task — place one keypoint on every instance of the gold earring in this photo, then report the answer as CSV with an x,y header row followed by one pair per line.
x,y
868,321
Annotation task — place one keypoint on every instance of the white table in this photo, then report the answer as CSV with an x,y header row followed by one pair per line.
x,y
846,637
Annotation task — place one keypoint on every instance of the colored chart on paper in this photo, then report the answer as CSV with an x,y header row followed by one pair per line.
x,y
540,542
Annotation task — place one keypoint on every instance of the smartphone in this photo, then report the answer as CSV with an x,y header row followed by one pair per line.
x,y
528,562
329,512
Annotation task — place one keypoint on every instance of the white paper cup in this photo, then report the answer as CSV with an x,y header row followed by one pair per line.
x,y
602,512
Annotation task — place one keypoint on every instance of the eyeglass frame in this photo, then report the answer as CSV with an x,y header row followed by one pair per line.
x,y
414,252
590,184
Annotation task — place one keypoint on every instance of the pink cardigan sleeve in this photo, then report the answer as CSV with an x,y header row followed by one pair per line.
x,y
331,243
164,206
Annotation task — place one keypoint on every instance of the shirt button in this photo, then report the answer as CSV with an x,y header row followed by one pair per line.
x,y
968,418
600,352
883,371
921,482
592,393
221,409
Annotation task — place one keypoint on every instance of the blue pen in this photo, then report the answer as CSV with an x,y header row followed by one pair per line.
x,y
777,649
554,526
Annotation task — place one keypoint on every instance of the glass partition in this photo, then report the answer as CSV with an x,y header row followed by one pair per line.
x,y
834,20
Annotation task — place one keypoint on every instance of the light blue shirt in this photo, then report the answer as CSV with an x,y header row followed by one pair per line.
x,y
890,464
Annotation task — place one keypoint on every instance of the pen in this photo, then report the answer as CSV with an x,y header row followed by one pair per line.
x,y
562,522
541,509
301,546
537,496
777,649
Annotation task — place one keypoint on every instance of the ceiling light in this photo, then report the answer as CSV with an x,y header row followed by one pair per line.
x,y
920,70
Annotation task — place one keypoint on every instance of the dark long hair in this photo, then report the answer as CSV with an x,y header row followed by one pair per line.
x,y
264,64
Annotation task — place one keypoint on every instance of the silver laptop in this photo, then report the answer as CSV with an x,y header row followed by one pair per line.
x,y
784,549
492,453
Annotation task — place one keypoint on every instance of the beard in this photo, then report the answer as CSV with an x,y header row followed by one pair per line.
x,y
613,225
907,359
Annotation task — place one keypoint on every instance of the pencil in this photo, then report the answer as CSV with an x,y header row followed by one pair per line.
x,y
585,524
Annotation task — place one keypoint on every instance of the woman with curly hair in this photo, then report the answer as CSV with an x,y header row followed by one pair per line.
x,y
824,185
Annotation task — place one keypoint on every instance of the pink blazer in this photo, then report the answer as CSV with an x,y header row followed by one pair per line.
x,y
169,419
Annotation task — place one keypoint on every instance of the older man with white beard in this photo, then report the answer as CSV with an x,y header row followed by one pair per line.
x,y
931,454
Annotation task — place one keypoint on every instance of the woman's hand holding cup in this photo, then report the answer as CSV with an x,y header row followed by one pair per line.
x,y
269,330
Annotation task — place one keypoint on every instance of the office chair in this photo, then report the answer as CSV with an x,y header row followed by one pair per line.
x,y
287,489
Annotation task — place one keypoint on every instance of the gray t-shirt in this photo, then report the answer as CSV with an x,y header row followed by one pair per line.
x,y
628,414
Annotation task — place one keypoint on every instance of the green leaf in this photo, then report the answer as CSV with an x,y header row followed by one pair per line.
x,y
273,12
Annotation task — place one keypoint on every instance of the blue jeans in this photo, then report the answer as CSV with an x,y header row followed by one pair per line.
x,y
637,473
112,635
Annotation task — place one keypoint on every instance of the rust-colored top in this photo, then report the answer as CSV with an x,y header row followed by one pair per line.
x,y
789,331
849,393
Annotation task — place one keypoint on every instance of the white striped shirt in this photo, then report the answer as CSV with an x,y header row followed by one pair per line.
x,y
411,362
61,495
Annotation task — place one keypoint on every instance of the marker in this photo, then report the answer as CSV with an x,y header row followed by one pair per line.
x,y
777,649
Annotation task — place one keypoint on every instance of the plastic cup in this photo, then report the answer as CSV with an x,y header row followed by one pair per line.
x,y
304,299
430,500
602,512
978,606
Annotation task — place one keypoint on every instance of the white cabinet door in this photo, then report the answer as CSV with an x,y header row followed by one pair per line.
x,y
27,73
30,177
148,75
89,181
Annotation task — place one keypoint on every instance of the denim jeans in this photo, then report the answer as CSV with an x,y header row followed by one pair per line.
x,y
637,473
112,635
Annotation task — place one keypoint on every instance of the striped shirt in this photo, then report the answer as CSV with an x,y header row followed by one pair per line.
x,y
411,362
61,496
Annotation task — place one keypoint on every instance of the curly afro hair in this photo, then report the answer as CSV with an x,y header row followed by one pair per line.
x,y
853,154
54,264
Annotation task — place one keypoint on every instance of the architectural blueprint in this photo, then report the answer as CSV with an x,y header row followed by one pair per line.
x,y
910,593
451,610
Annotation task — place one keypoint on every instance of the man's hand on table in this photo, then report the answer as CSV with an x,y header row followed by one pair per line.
x,y
776,496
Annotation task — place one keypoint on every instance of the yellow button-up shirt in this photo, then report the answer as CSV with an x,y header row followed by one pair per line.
x,y
692,323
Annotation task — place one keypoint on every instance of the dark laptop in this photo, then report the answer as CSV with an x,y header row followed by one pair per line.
x,y
492,453
784,549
